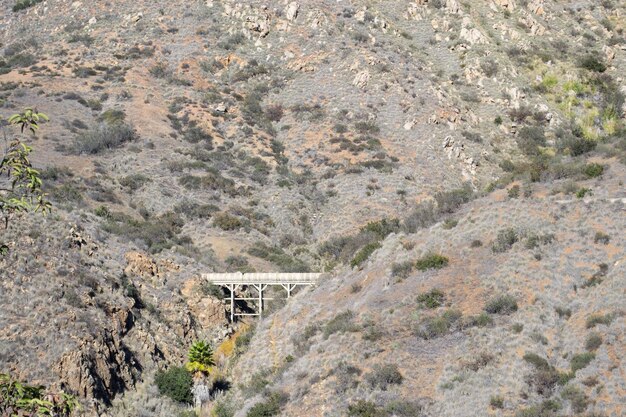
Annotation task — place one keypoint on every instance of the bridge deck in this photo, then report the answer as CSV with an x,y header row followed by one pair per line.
x,y
263,278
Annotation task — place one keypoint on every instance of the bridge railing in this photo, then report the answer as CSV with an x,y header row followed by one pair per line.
x,y
307,278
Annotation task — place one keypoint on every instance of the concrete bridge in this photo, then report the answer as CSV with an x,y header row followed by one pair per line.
x,y
260,282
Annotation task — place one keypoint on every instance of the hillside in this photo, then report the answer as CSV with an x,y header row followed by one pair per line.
x,y
456,168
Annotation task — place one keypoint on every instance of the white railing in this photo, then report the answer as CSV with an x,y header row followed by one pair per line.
x,y
262,278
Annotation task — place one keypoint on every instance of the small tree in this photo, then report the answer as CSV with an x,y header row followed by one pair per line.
x,y
20,183
200,358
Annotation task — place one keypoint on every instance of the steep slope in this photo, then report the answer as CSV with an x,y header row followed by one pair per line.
x,y
215,136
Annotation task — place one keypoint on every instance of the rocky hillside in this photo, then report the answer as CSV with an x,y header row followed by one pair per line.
x,y
456,167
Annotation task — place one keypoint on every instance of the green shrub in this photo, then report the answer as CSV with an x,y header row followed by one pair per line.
x,y
577,398
382,376
449,201
421,216
437,326
595,319
505,240
103,137
341,323
503,304
547,408
176,383
581,360
431,299
481,320
601,237
402,269
365,252
363,408
497,401
224,408
592,63
277,256
134,181
24,4
227,222
593,170
382,228
270,407
513,192
593,342
431,261
402,408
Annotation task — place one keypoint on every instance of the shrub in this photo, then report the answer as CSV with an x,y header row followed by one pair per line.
x,y
592,63
513,192
545,377
439,325
601,237
382,228
530,138
505,240
581,360
104,136
422,216
504,304
134,181
431,261
432,299
227,222
476,243
497,401
270,407
176,383
277,256
595,319
449,201
402,269
383,376
346,377
401,408
577,399
341,323
364,408
593,170
24,4
481,320
362,255
593,342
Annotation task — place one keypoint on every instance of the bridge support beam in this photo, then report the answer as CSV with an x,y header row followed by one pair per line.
x,y
260,282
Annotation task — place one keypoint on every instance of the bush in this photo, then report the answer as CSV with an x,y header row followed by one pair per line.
x,y
270,407
505,240
175,383
595,319
383,376
227,222
601,237
362,255
402,269
592,63
431,261
341,323
200,357
593,342
432,299
404,408
530,138
497,402
449,201
593,170
504,304
134,181
577,399
439,325
364,408
581,360
422,216
103,137
24,4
